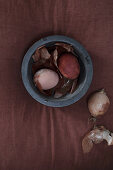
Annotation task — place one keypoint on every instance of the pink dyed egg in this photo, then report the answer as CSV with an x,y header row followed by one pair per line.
x,y
46,79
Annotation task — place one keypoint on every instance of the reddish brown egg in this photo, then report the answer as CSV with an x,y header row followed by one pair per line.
x,y
69,66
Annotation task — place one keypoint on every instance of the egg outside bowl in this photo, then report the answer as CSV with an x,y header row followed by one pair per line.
x,y
84,80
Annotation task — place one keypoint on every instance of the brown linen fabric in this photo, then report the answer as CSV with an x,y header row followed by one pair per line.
x,y
36,137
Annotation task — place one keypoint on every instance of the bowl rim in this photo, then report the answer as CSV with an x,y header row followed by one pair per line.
x,y
87,60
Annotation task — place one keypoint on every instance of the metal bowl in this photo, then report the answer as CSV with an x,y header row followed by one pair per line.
x,y
84,81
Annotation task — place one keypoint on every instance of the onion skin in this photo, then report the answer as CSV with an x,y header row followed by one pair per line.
x,y
46,79
95,136
69,66
41,53
67,47
63,89
98,103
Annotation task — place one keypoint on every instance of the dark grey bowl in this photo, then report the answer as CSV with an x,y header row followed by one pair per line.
x,y
85,78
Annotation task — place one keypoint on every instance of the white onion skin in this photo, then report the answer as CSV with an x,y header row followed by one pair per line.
x,y
98,103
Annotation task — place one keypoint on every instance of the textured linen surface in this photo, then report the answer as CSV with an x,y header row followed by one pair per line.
x,y
36,137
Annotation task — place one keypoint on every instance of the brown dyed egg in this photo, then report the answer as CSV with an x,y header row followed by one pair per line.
x,y
69,66
46,79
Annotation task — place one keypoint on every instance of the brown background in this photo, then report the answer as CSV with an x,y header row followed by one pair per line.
x,y
36,137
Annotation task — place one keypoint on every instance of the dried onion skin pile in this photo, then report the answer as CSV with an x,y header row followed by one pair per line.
x,y
96,136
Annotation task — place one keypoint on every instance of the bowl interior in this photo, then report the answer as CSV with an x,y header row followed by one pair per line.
x,y
80,84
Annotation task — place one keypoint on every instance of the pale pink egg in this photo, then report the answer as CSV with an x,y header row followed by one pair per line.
x,y
46,79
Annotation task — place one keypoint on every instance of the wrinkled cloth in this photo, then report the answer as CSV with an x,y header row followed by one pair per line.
x,y
36,137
